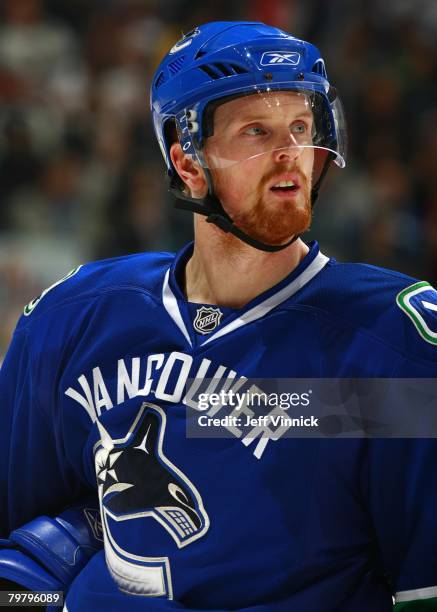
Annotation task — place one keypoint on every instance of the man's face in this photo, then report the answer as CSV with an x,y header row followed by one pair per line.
x,y
253,150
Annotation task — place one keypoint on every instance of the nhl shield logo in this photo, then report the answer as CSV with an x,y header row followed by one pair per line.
x,y
207,319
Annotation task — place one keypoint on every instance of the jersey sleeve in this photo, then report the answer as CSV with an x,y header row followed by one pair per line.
x,y
35,476
402,481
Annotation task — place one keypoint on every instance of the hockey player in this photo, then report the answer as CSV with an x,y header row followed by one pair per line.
x,y
103,365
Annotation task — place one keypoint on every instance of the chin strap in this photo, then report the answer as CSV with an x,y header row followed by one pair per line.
x,y
211,207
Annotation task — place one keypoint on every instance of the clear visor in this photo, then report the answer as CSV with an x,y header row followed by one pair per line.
x,y
281,121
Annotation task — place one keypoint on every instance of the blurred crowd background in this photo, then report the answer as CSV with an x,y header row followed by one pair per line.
x,y
81,176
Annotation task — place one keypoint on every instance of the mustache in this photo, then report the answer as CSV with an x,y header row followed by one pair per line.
x,y
303,180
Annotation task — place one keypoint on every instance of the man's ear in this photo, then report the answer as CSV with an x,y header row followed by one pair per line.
x,y
189,170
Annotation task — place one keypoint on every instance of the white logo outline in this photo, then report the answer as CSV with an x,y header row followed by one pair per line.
x,y
137,574
290,58
184,42
403,300
213,315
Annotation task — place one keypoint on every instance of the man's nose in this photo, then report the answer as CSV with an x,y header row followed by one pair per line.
x,y
290,152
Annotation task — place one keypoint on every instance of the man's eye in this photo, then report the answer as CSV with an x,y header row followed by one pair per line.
x,y
254,130
299,128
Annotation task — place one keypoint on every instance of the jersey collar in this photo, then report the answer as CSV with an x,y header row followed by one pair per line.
x,y
173,297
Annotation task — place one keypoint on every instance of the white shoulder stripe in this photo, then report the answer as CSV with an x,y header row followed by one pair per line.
x,y
171,306
426,593
264,307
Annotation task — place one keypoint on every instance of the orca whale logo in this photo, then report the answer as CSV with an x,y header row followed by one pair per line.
x,y
136,480
139,481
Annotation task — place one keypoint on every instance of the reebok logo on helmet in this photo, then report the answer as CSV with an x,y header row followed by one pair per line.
x,y
279,57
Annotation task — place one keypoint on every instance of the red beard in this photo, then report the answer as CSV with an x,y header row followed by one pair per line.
x,y
275,222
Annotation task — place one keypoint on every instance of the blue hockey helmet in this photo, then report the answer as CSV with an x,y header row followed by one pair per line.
x,y
221,61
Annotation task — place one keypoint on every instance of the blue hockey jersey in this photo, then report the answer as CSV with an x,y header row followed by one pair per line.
x,y
94,392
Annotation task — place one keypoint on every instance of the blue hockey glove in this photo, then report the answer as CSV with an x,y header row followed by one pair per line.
x,y
47,553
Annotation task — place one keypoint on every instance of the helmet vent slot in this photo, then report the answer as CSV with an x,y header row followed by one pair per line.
x,y
220,70
209,70
224,69
175,66
319,68
239,69
159,80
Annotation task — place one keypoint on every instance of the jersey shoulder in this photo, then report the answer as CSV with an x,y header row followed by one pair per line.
x,y
397,309
142,272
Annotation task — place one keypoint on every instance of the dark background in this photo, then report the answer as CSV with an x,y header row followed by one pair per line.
x,y
81,176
